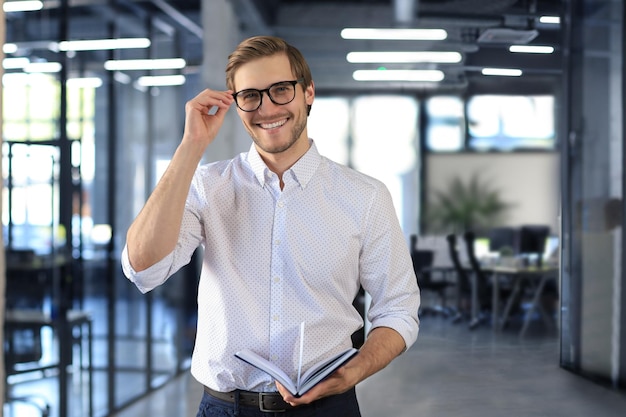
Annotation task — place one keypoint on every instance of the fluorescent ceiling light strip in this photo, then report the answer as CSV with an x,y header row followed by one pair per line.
x,y
161,80
506,72
398,75
144,64
9,48
554,20
404,57
43,67
15,63
394,34
21,6
531,49
104,44
84,82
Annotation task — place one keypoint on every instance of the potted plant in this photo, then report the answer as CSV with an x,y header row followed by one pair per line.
x,y
465,205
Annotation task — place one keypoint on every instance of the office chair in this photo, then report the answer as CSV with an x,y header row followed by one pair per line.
x,y
422,261
481,280
23,345
464,284
484,286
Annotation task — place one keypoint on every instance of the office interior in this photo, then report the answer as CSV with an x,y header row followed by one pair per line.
x,y
85,140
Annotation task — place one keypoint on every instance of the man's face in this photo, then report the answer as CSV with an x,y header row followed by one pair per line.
x,y
274,128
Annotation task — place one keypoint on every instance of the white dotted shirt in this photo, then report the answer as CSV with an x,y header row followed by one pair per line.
x,y
275,258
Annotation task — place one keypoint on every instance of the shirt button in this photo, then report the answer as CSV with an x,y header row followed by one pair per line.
x,y
281,204
274,358
277,242
276,279
276,317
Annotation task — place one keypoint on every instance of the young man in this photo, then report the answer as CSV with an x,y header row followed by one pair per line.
x,y
289,237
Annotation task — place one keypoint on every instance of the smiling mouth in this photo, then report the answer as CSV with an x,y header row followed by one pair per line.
x,y
273,125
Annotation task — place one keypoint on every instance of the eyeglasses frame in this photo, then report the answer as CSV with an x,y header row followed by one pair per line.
x,y
267,92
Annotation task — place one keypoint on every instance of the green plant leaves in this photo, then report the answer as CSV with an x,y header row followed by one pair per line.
x,y
465,205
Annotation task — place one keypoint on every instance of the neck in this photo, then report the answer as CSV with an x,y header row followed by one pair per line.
x,y
280,162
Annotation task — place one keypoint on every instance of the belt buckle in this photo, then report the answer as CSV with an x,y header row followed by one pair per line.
x,y
262,396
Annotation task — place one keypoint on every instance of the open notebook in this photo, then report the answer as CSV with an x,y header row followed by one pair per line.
x,y
306,380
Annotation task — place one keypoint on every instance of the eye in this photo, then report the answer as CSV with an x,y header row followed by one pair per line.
x,y
248,95
281,88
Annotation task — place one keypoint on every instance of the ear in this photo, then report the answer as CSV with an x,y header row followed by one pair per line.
x,y
309,93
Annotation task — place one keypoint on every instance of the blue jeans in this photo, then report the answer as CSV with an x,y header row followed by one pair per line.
x,y
342,405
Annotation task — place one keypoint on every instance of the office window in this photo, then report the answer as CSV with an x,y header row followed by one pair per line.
x,y
445,127
30,203
377,135
31,155
384,132
506,123
328,125
30,110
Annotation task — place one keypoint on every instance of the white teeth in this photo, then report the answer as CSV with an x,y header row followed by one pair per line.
x,y
273,125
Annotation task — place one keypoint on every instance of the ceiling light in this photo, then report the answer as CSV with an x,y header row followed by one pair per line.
x,y
15,63
104,44
161,80
84,82
506,72
394,34
531,49
404,57
144,64
21,6
398,75
43,67
553,20
9,48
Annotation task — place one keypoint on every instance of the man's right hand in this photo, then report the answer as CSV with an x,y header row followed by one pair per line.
x,y
202,121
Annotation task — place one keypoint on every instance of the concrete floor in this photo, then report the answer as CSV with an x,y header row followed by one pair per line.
x,y
451,371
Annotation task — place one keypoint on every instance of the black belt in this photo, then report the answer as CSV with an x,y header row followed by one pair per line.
x,y
266,401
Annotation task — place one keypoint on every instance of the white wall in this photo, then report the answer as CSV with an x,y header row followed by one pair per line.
x,y
529,181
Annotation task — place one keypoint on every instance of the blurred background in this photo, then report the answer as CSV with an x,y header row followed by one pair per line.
x,y
481,116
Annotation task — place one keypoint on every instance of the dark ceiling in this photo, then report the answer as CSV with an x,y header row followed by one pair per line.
x,y
314,27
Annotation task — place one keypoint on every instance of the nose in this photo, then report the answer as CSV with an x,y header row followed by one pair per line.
x,y
264,103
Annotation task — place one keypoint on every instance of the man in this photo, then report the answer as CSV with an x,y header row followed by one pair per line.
x,y
289,237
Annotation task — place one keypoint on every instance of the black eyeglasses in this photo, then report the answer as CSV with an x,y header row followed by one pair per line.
x,y
280,93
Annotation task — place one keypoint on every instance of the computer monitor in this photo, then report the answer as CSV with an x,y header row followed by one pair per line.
x,y
502,237
532,241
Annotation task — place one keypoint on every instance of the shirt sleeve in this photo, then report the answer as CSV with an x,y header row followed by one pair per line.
x,y
190,237
150,278
387,271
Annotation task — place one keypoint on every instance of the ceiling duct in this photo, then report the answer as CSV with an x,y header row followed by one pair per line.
x,y
404,11
507,36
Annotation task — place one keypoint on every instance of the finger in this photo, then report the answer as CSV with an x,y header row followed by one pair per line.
x,y
211,99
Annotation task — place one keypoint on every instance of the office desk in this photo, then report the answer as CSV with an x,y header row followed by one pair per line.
x,y
536,277
33,319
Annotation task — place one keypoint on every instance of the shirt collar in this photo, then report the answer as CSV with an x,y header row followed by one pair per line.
x,y
302,171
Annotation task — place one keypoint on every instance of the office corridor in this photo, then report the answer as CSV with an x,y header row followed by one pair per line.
x,y
451,371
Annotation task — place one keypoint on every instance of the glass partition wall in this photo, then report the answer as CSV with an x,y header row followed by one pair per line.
x,y
83,148
593,286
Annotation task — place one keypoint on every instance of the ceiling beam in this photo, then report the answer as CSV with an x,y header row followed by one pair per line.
x,y
179,18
